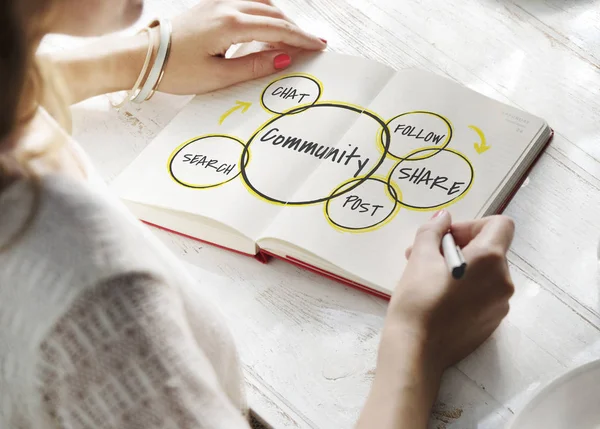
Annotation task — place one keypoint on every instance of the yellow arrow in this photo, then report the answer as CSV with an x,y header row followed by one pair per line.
x,y
479,147
238,105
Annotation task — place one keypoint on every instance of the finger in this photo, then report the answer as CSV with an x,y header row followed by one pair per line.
x,y
279,47
269,3
250,48
429,236
464,232
273,30
253,66
491,233
261,9
269,47
408,252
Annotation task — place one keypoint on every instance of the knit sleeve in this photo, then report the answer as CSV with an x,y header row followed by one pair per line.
x,y
123,356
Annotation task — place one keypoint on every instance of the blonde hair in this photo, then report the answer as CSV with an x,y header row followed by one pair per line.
x,y
26,83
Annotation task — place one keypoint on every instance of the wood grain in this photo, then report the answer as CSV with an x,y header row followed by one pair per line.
x,y
309,345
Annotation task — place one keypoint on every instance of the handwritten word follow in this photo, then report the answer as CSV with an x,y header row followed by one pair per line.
x,y
425,177
333,154
206,162
289,92
411,131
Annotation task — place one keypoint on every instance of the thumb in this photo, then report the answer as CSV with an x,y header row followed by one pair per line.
x,y
429,235
253,66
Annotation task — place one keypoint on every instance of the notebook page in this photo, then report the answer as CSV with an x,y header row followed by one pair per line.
x,y
231,156
445,147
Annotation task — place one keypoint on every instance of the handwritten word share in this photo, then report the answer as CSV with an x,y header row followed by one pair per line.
x,y
432,182
206,161
289,92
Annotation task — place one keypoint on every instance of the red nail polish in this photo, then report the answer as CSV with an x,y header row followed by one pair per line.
x,y
281,61
438,214
323,40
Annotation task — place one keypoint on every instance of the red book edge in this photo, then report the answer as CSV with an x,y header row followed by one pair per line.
x,y
263,256
327,274
525,175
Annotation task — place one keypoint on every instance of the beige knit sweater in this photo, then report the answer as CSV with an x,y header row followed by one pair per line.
x,y
100,326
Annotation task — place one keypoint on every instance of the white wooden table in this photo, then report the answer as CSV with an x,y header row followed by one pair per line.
x,y
308,345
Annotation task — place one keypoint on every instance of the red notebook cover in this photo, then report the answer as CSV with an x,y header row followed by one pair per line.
x,y
263,255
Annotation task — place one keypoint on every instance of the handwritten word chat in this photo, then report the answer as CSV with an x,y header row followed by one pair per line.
x,y
290,91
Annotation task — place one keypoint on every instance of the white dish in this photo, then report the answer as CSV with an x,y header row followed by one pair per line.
x,y
572,401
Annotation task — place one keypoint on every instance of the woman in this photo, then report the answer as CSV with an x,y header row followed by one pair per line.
x,y
99,326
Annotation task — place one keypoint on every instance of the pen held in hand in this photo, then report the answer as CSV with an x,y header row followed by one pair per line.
x,y
453,255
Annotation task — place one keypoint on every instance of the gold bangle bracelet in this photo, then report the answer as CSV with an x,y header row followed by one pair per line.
x,y
162,71
142,76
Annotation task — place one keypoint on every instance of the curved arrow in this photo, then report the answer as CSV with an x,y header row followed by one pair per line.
x,y
480,147
244,105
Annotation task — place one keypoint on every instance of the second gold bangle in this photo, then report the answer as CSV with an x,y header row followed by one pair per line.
x,y
141,78
164,64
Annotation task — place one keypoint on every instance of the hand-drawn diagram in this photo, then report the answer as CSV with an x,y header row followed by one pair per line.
x,y
288,162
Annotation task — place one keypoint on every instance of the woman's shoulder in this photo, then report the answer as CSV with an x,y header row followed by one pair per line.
x,y
62,237
65,243
63,221
88,286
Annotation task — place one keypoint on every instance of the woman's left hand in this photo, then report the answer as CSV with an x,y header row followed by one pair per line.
x,y
196,64
202,35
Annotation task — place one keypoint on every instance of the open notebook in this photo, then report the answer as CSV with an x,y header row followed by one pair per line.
x,y
332,165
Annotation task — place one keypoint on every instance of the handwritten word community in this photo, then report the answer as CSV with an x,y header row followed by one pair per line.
x,y
333,154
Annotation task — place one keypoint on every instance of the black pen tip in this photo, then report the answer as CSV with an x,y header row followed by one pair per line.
x,y
458,272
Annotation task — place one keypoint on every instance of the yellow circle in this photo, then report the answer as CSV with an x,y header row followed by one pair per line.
x,y
190,141
443,205
404,158
380,224
304,75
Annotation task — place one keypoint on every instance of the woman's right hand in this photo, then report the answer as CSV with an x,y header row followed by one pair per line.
x,y
449,317
434,321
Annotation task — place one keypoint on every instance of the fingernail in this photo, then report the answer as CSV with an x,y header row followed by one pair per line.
x,y
323,40
438,214
281,61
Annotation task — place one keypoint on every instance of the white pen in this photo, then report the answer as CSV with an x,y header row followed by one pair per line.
x,y
454,257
